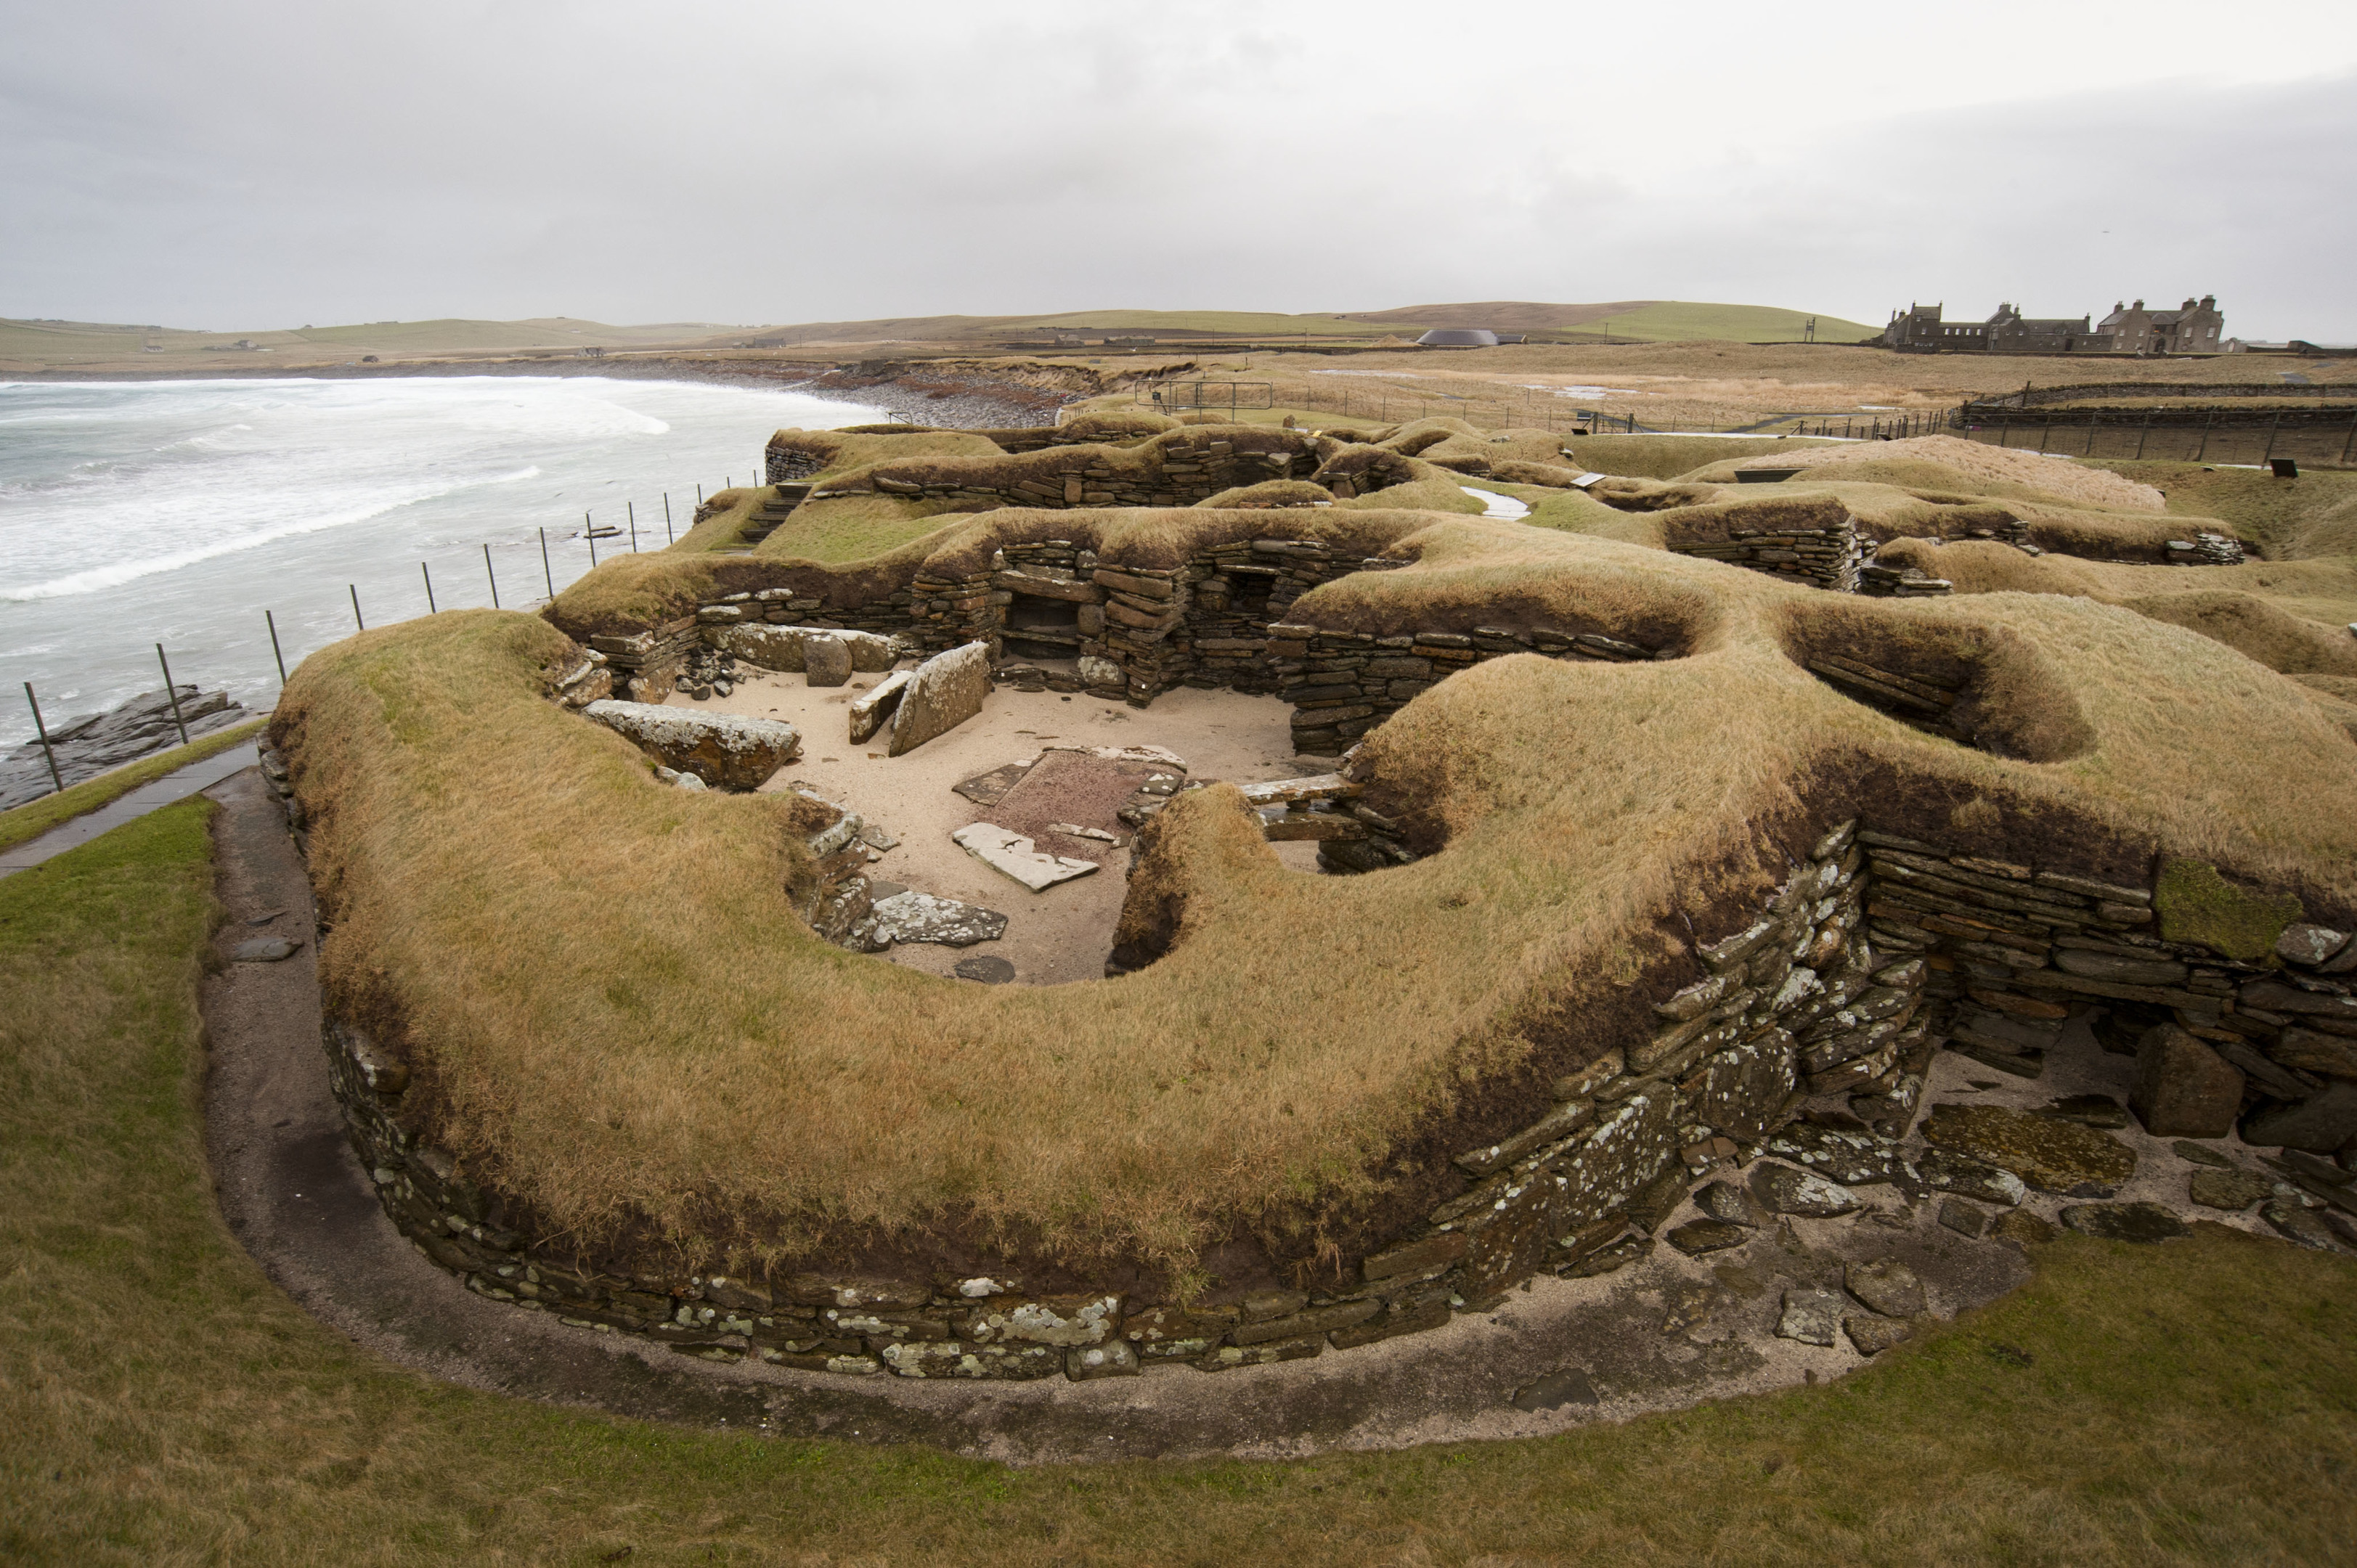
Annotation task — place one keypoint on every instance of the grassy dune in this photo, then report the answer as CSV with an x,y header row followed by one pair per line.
x,y
160,1402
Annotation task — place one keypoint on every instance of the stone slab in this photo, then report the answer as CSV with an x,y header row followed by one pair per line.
x,y
729,750
780,647
943,693
1012,854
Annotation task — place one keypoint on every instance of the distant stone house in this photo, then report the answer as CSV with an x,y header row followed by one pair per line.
x,y
2193,327
1922,330
2196,328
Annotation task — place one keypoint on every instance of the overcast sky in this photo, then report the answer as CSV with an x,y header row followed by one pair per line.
x,y
240,165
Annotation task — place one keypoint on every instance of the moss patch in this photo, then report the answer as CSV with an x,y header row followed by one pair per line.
x,y
2197,904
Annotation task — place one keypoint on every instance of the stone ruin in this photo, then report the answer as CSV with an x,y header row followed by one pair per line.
x,y
1781,1073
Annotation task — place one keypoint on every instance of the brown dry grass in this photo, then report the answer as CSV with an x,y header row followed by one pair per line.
x,y
1989,470
2314,598
568,949
1713,385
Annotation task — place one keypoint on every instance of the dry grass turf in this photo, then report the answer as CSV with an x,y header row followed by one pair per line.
x,y
160,1402
614,1012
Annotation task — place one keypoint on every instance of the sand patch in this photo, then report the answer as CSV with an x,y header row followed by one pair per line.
x,y
1065,932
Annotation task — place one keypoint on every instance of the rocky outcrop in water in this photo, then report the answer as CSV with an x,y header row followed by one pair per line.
x,y
89,746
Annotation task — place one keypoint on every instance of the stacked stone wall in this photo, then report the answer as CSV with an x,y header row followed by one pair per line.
x,y
1823,557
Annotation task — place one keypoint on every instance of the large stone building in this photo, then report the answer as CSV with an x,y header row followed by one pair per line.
x,y
2194,328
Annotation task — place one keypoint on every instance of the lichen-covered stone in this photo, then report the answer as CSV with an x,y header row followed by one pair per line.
x,y
1810,1316
1889,1286
1872,1336
2051,1155
731,751
1804,1193
826,662
781,647
2232,1190
942,692
2123,1221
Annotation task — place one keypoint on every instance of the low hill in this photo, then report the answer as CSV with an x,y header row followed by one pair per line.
x,y
47,345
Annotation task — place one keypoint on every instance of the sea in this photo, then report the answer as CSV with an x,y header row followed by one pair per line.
x,y
174,513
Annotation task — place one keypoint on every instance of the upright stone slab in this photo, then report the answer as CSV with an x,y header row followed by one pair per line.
x,y
869,713
942,692
2183,1089
826,662
730,751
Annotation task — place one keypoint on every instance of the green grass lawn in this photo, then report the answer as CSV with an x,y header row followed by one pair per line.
x,y
35,818
161,1402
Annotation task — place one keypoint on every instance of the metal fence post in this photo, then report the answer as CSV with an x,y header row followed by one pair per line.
x,y
668,537
589,533
633,509
431,608
2352,440
43,731
494,576
169,691
2274,425
546,570
275,651
355,606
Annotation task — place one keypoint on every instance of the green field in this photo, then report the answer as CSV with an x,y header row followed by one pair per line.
x,y
1671,321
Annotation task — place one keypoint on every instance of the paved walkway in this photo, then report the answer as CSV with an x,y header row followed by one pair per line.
x,y
164,791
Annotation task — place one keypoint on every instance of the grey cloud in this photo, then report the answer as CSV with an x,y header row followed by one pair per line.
x,y
247,165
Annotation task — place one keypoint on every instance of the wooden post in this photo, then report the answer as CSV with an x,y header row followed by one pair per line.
x,y
431,608
2351,442
494,576
170,691
355,606
2273,425
43,731
668,537
275,652
634,507
546,573
588,531
2204,450
2144,434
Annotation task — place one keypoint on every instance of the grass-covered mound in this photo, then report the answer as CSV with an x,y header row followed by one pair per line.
x,y
612,1011
161,1401
1667,457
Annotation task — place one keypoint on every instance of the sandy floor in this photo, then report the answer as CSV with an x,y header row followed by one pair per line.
x,y
1065,932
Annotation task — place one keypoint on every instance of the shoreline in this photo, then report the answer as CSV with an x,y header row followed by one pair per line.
x,y
948,398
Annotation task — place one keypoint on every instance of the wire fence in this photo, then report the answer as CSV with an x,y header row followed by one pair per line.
x,y
629,535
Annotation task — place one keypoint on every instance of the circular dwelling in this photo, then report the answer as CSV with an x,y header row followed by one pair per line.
x,y
1457,338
